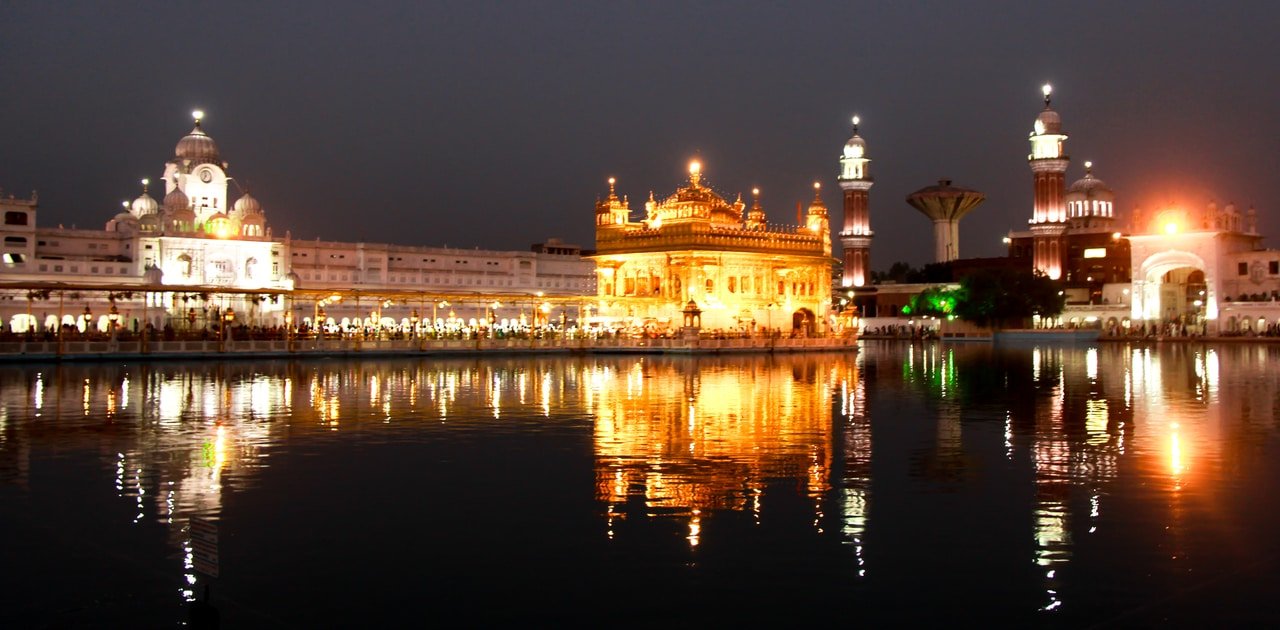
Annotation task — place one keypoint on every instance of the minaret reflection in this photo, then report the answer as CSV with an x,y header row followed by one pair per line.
x,y
855,491
686,437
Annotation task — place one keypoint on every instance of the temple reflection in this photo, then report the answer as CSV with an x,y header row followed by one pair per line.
x,y
691,436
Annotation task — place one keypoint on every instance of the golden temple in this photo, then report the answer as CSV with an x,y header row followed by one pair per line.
x,y
696,252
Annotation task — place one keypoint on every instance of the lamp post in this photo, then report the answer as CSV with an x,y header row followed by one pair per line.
x,y
88,316
413,324
224,336
113,316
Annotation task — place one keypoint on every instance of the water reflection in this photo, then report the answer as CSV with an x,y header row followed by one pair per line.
x,y
1080,436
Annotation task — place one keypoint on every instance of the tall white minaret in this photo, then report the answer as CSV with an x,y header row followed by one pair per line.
x,y
855,236
1048,168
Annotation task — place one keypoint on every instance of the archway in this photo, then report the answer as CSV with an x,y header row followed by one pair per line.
x,y
1173,292
803,323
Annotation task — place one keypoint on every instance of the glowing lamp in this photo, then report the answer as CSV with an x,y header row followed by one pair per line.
x,y
856,120
1171,228
197,114
755,192
695,167
1047,89
145,181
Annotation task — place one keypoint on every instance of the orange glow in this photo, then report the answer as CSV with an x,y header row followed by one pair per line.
x,y
1171,228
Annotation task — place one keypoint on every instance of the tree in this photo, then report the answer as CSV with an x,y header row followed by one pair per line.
x,y
1008,297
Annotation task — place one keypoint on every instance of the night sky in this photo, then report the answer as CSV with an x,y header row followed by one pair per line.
x,y
496,124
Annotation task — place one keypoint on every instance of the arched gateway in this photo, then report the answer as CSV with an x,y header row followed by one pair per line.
x,y
1175,288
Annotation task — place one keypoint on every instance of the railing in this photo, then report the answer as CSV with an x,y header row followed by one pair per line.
x,y
105,349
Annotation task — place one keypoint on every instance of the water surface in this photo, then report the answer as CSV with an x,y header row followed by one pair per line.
x,y
906,483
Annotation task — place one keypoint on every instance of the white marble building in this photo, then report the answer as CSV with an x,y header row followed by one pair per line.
x,y
155,258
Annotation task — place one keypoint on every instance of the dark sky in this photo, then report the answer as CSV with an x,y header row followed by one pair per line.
x,y
496,124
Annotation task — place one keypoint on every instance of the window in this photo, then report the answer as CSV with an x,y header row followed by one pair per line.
x,y
1273,267
1242,269
184,266
57,268
16,240
15,218
711,286
1095,252
93,270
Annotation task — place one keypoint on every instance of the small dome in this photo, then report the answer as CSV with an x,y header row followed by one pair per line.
x,y
125,217
253,219
217,216
176,200
247,205
856,147
1090,187
198,147
1048,122
145,204
153,275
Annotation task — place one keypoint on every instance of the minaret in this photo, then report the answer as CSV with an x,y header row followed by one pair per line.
x,y
1049,214
856,235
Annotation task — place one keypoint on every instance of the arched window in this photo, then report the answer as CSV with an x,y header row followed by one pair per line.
x,y
184,265
250,266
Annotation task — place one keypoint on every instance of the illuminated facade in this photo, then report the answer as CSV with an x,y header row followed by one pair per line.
x,y
855,236
697,250
197,238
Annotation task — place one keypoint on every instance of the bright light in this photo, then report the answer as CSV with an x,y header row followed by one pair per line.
x,y
817,185
1115,236
1047,89
145,181
695,167
1006,240
755,191
1088,165
198,114
856,120
1171,228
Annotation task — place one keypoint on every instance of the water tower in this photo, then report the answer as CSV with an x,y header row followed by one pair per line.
x,y
945,205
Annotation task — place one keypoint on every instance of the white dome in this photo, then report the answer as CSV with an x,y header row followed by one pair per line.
x,y
856,147
145,204
1090,187
247,205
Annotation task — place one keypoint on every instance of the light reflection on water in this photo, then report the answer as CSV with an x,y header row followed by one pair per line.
x,y
919,462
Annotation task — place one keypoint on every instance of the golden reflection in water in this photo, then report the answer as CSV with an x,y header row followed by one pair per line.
x,y
692,437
